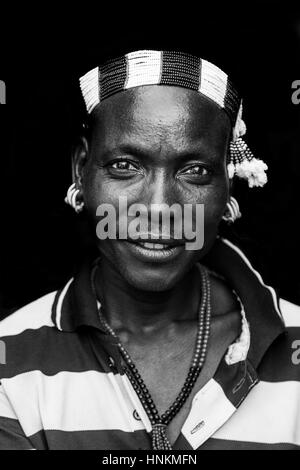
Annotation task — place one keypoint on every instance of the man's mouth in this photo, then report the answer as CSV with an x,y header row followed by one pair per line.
x,y
158,244
155,250
154,246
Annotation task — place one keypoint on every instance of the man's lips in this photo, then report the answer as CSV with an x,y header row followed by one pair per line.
x,y
157,243
154,250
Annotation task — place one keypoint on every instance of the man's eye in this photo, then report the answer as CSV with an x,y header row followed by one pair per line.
x,y
197,170
123,165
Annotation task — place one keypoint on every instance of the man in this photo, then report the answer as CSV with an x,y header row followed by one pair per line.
x,y
153,345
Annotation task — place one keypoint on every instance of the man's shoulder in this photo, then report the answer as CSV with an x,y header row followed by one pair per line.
x,y
290,313
32,316
281,364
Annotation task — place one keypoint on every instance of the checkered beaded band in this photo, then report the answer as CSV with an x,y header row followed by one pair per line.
x,y
160,68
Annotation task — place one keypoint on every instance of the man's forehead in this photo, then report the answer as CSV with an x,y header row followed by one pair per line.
x,y
160,120
165,107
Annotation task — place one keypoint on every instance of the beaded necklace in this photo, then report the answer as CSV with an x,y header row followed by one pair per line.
x,y
159,423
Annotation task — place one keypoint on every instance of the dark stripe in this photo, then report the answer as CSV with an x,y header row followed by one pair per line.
x,y
137,440
232,101
282,360
52,351
223,444
112,77
91,440
12,436
180,69
182,443
236,380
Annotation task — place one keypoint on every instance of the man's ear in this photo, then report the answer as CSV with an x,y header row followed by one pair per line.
x,y
79,160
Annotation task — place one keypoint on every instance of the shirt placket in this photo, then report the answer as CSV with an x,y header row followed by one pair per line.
x,y
216,402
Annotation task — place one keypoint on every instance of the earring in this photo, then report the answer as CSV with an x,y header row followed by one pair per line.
x,y
71,198
232,211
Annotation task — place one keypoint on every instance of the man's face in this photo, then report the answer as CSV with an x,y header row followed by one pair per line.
x,y
157,145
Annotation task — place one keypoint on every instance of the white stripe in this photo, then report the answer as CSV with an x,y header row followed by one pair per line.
x,y
245,259
31,317
270,414
6,410
123,398
89,85
213,82
59,304
69,401
136,403
143,68
210,410
290,313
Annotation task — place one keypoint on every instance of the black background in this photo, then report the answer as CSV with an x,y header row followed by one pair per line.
x,y
41,59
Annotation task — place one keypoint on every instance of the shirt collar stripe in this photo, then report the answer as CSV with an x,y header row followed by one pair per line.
x,y
245,259
59,304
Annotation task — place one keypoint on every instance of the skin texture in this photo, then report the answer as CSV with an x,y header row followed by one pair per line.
x,y
161,134
159,144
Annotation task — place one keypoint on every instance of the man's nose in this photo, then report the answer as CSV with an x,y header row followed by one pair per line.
x,y
160,190
161,195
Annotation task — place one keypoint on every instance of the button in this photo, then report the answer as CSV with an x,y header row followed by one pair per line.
x,y
198,427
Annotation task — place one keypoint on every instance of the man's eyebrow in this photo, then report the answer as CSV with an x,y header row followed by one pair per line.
x,y
130,149
145,152
136,150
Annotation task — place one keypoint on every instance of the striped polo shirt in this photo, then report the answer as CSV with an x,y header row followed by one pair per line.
x,y
63,385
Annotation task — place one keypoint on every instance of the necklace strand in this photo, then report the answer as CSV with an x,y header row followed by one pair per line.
x,y
159,423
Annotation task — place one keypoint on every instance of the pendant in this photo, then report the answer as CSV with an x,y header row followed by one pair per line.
x,y
159,437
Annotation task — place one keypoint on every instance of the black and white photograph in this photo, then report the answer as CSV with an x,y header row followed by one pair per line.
x,y
149,242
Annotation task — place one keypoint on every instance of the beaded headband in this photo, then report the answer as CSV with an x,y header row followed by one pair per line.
x,y
148,67
159,68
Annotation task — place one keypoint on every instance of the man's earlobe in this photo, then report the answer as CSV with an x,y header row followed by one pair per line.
x,y
74,195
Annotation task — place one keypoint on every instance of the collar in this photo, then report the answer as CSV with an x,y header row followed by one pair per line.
x,y
75,305
260,302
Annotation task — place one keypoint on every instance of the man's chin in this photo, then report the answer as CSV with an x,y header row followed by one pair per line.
x,y
155,275
150,281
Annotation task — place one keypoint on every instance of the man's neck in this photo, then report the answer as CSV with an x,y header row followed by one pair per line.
x,y
136,311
